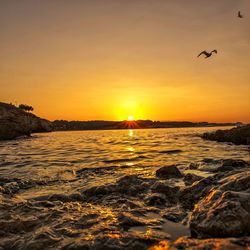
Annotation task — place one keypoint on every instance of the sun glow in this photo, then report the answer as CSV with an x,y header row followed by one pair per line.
x,y
130,118
129,109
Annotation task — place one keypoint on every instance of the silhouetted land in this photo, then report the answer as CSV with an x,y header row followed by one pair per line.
x,y
15,122
240,135
62,125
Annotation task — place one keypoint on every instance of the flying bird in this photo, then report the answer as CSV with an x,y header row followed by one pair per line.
x,y
240,14
207,54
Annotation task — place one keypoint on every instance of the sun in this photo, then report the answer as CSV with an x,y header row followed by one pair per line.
x,y
130,118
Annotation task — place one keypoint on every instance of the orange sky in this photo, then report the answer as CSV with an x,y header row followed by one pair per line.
x,y
108,59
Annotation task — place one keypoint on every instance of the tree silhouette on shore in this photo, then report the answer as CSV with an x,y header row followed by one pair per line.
x,y
26,107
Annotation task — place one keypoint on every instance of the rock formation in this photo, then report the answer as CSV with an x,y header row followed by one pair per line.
x,y
239,135
15,122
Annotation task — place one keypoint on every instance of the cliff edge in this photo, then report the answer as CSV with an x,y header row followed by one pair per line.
x,y
15,122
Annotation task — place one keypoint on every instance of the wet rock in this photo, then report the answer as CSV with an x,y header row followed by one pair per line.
x,y
131,204
98,191
15,122
42,239
163,245
189,178
234,163
238,182
156,199
127,220
204,244
238,135
168,172
68,232
113,241
164,188
18,224
174,214
193,165
132,184
15,242
231,164
129,185
87,221
221,214
211,244
170,192
11,188
190,195
61,197
211,161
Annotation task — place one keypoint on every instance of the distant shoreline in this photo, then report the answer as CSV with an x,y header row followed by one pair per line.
x,y
140,124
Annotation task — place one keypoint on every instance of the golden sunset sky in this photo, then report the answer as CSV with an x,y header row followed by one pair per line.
x,y
110,59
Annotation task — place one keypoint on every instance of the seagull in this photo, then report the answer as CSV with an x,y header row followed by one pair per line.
x,y
240,14
208,54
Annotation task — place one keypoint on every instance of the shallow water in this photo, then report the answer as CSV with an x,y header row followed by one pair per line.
x,y
69,162
60,154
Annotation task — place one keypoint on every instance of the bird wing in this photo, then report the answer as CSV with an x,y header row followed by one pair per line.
x,y
203,52
239,14
215,51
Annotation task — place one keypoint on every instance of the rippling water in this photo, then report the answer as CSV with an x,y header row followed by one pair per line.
x,y
118,152
64,163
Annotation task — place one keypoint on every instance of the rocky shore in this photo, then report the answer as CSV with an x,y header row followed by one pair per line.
x,y
239,135
15,122
210,212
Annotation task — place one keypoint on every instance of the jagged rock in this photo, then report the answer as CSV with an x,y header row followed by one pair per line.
x,y
17,224
189,178
156,199
42,239
203,244
231,164
192,194
170,192
61,197
15,122
175,214
11,188
164,188
239,182
95,191
132,184
193,165
240,135
114,241
221,214
225,211
128,185
211,244
211,161
127,220
168,172
162,245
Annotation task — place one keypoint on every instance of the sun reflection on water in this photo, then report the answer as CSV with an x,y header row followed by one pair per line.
x,y
130,149
130,164
131,132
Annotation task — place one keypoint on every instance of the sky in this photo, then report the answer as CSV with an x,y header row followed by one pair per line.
x,y
111,59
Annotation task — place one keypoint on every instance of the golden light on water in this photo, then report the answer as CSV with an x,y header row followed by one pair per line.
x,y
131,133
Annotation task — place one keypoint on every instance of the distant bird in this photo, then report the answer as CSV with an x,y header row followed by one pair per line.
x,y
207,54
240,14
